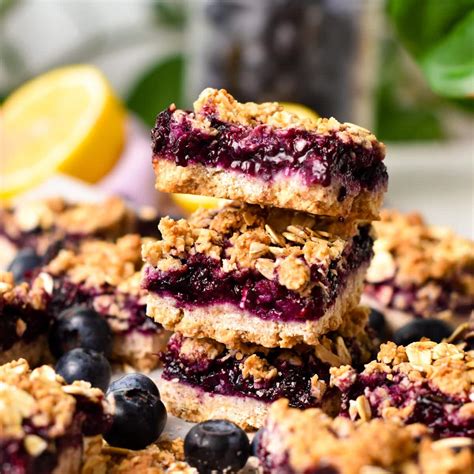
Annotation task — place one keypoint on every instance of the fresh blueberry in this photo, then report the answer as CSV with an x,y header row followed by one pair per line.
x,y
80,327
134,381
216,445
378,323
25,261
85,364
256,442
138,420
434,329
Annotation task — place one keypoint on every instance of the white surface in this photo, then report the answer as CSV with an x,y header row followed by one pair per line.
x,y
435,179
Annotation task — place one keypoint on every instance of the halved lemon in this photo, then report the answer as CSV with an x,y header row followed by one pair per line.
x,y
193,202
300,110
66,120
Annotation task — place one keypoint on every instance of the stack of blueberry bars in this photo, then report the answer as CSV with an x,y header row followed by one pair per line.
x,y
263,297
262,293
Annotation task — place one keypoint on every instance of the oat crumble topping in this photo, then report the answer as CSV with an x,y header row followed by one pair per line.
x,y
39,396
98,262
311,439
164,457
56,213
220,104
22,295
414,252
443,366
276,243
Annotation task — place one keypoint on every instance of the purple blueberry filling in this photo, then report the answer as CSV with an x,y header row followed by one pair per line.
x,y
433,408
451,296
265,152
37,323
89,420
15,459
67,294
202,282
223,375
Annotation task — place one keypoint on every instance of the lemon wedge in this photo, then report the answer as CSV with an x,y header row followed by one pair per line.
x,y
67,120
192,202
300,110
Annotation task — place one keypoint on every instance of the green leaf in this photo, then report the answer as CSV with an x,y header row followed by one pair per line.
x,y
440,35
449,67
157,89
422,23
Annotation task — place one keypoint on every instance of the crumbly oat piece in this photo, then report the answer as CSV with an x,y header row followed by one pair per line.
x,y
41,398
97,263
24,320
404,383
420,269
23,294
164,457
38,224
305,441
106,276
231,179
220,104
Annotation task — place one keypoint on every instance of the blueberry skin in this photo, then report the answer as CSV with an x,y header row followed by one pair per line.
x,y
216,445
24,262
80,327
378,323
256,442
134,381
434,329
139,419
85,364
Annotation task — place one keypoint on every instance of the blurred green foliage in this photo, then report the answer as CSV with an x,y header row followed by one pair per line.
x,y
157,88
404,109
440,36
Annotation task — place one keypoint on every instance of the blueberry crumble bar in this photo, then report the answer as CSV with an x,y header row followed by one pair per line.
x,y
258,275
202,379
310,442
261,154
419,270
164,457
38,224
106,277
43,421
24,321
424,382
